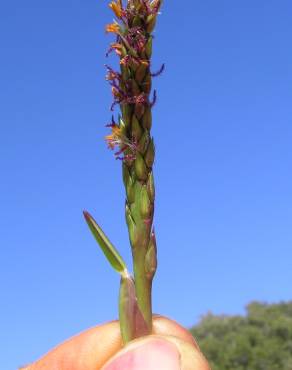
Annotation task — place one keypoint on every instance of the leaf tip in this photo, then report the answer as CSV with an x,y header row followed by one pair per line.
x,y
86,215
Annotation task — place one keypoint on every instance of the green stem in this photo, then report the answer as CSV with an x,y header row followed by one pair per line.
x,y
143,285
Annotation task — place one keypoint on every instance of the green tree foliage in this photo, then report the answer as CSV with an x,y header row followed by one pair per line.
x,y
262,340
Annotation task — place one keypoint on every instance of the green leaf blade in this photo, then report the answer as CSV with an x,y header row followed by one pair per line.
x,y
106,246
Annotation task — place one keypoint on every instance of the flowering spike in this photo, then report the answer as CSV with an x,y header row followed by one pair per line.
x,y
131,137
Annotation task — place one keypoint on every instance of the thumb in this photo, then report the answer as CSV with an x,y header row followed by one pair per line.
x,y
157,352
146,354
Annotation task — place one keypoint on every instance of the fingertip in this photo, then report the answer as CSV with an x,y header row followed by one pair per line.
x,y
165,326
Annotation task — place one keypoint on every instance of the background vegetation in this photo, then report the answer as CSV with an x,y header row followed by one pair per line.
x,y
262,340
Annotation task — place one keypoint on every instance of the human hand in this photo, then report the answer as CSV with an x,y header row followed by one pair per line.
x,y
171,347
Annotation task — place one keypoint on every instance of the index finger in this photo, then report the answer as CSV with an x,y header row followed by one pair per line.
x,y
92,348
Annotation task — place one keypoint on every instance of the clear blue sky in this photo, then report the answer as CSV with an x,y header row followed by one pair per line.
x,y
222,126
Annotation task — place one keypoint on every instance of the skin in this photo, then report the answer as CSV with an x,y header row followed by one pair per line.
x,y
171,347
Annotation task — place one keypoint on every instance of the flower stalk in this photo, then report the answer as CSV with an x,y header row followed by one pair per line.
x,y
131,137
131,88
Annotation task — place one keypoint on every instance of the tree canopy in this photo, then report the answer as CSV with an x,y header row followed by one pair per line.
x,y
261,340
